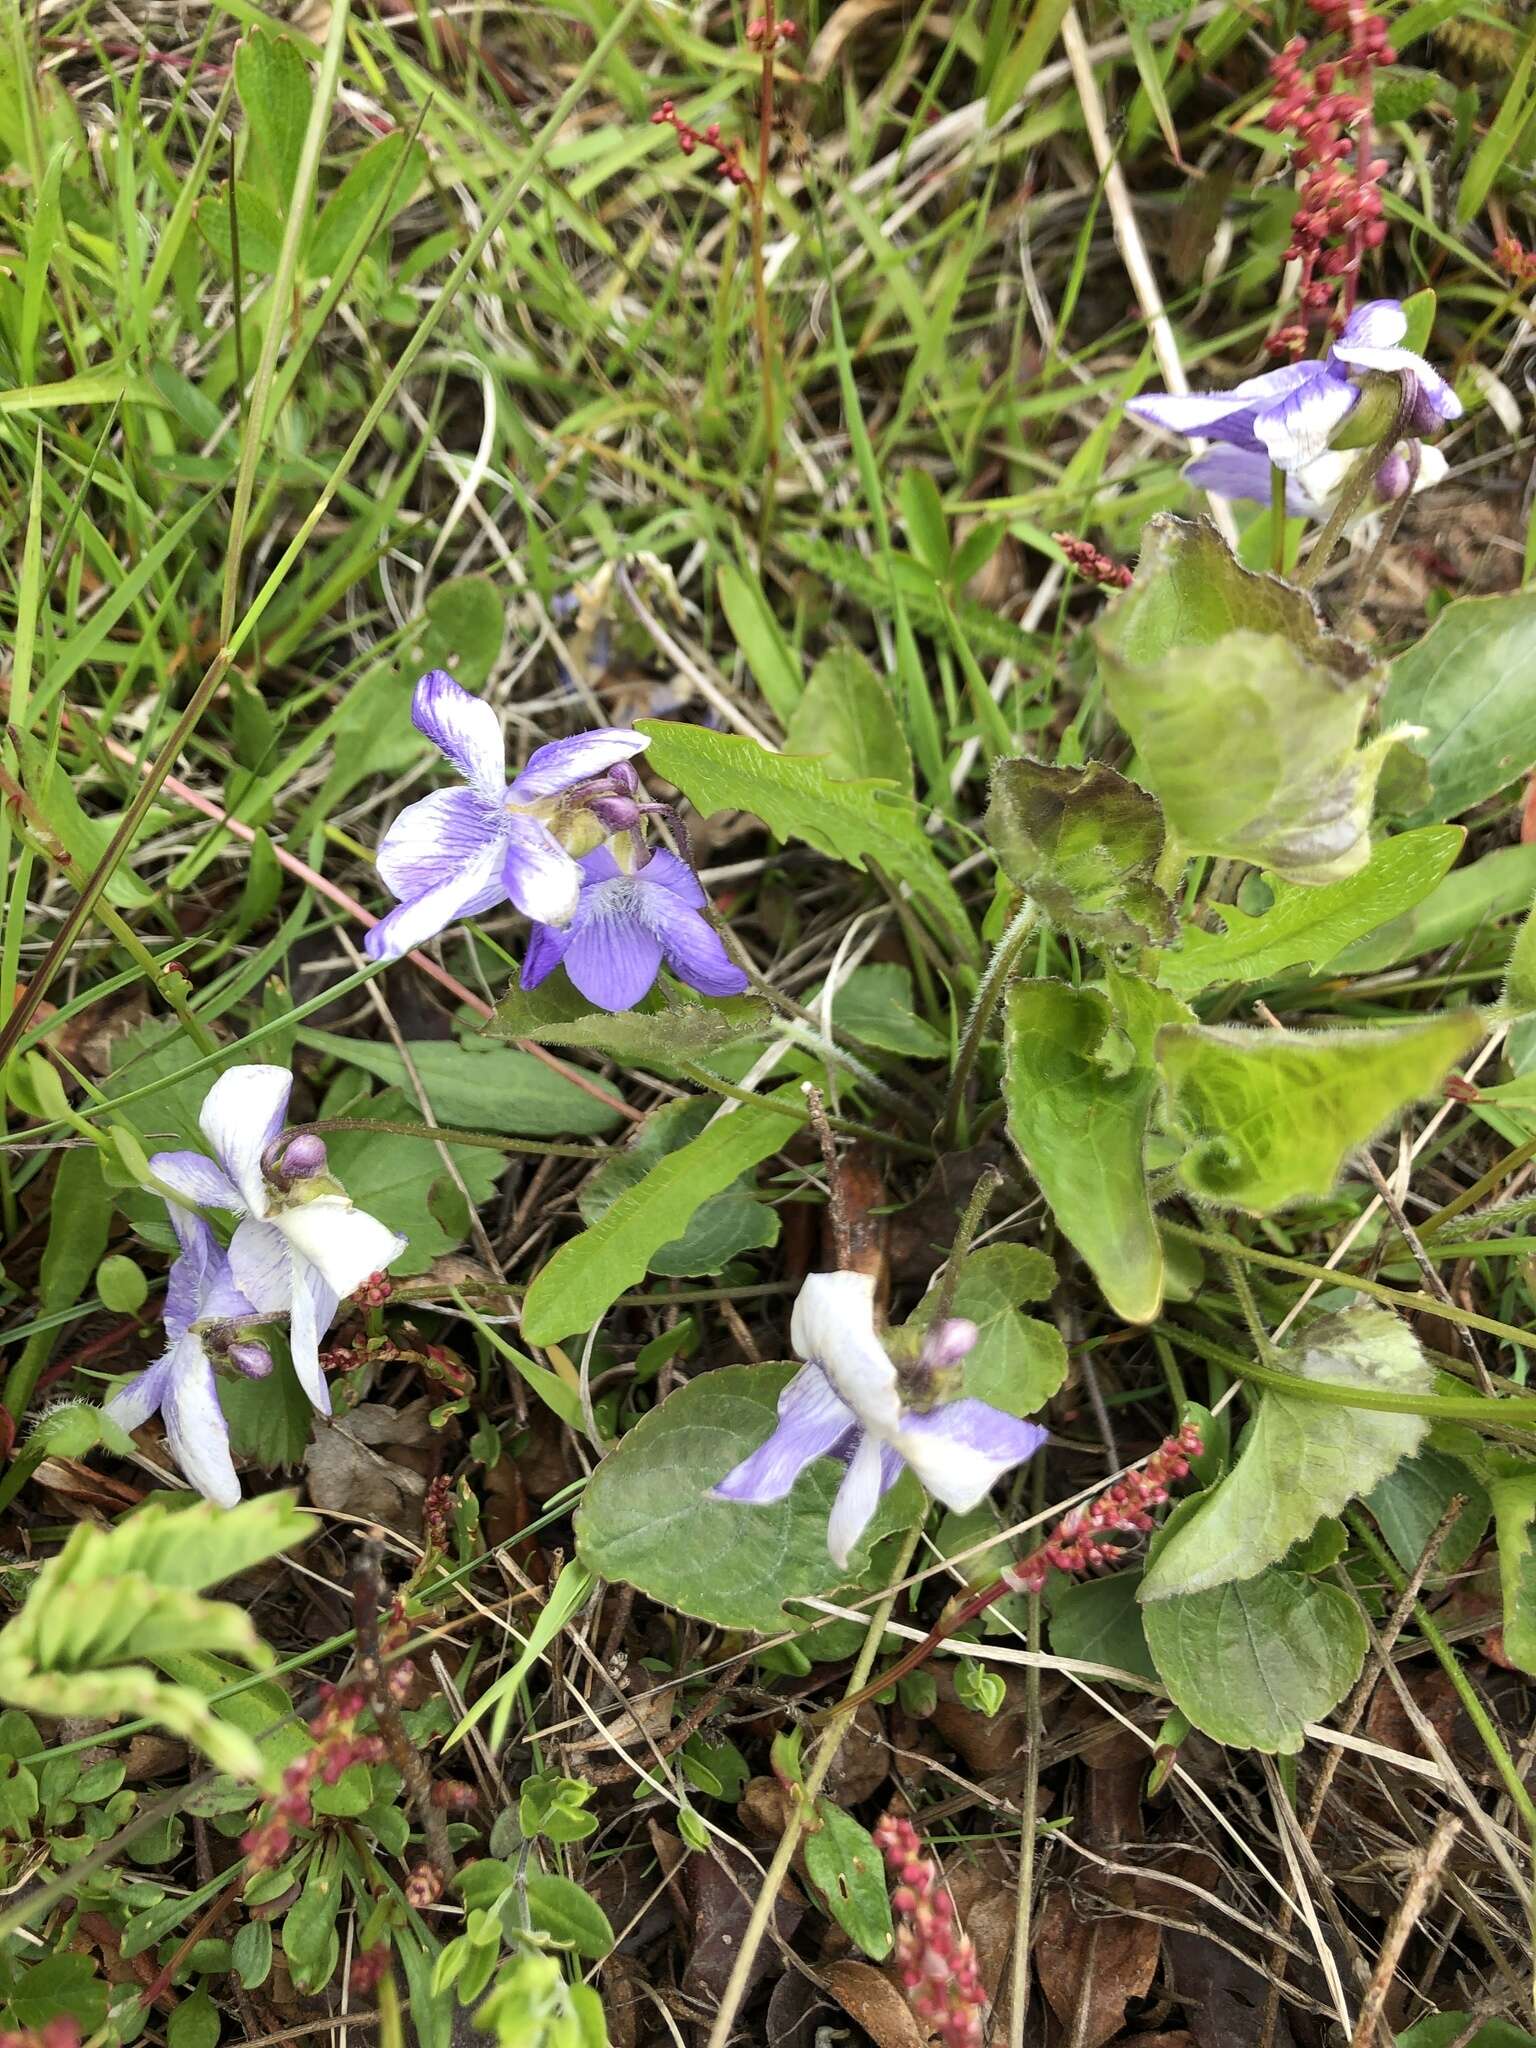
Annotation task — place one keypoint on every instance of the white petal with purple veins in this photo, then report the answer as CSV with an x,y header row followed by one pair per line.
x,y
132,1405
241,1114
344,1245
435,839
258,1258
196,1178
474,887
463,728
558,764
857,1499
812,1421
1194,414
834,1326
195,1429
312,1307
537,873
961,1450
1379,323
1295,430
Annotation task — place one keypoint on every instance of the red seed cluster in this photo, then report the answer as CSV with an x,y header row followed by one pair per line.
x,y
62,2032
337,1744
1091,563
424,1887
727,165
1339,210
374,1292
1516,261
934,1959
369,1966
758,32
1076,1546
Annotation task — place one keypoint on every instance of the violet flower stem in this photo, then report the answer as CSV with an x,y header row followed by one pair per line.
x,y
804,1804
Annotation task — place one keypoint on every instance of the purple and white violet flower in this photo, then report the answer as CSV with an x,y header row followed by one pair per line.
x,y
1290,414
458,852
301,1246
846,1403
1244,473
204,1311
626,922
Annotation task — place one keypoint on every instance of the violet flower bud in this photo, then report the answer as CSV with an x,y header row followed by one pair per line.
x,y
1394,479
947,1343
250,1358
623,778
302,1157
615,813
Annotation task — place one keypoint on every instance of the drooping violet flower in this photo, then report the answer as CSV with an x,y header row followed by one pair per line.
x,y
1291,413
625,924
846,1402
1309,491
458,852
302,1246
203,1312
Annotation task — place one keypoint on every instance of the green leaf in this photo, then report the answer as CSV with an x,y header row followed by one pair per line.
x,y
1084,843
59,1987
1297,1465
79,1218
358,199
261,232
474,1085
876,1006
846,1868
196,2022
310,1947
121,1284
1272,1115
666,1036
84,838
1400,92
929,608
1469,898
1080,1129
555,1807
1306,927
276,89
589,1272
252,1953
461,629
646,1517
1449,2030
1514,1511
566,1913
1520,978
1098,1621
856,822
849,719
1470,683
922,514
1251,1663
1017,1362
1409,1503
722,1227
566,1599
774,664
1245,712
393,1178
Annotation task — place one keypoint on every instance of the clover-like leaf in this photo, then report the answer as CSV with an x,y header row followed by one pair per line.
x,y
1085,844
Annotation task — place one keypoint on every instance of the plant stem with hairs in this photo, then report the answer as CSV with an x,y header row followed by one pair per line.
x,y
989,991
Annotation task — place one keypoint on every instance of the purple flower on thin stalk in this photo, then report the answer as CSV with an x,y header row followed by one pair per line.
x,y
301,1245
1291,413
458,852
625,924
846,1403
204,1310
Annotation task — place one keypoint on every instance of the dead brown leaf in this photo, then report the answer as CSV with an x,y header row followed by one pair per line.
x,y
720,1888
348,1476
873,2002
1091,1965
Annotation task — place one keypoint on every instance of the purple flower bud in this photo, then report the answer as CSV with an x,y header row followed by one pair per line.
x,y
1394,479
624,778
947,1343
302,1157
254,1360
1425,411
615,813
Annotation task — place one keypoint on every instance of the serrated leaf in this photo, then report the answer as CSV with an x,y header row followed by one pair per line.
x,y
589,1272
1018,1361
1468,899
1081,1131
849,718
848,1871
1245,712
1470,683
1273,1115
856,822
646,1517
1084,843
477,1085
1251,1663
1297,1465
1307,927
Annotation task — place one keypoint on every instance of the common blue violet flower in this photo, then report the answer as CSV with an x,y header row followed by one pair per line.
x,y
846,1403
201,1302
1289,414
1230,472
301,1245
461,851
625,924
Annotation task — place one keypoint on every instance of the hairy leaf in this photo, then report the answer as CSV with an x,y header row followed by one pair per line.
x,y
797,798
1297,1464
1307,927
1272,1115
1085,844
1470,683
589,1272
1080,1129
646,1517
